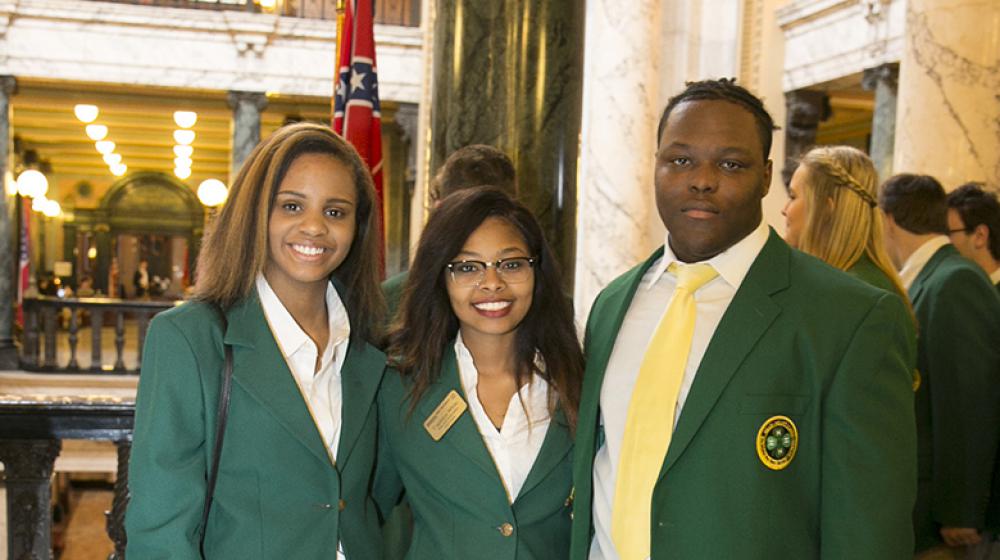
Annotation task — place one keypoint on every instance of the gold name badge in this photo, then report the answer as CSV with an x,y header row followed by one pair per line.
x,y
445,415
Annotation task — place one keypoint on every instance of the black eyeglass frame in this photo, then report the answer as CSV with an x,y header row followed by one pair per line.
x,y
487,264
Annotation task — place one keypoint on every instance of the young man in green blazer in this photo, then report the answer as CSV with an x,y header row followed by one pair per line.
x,y
793,433
958,401
974,227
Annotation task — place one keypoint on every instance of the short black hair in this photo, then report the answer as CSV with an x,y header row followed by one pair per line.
x,y
978,206
917,203
723,89
475,165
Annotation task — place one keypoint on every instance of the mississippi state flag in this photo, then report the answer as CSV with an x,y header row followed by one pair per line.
x,y
356,111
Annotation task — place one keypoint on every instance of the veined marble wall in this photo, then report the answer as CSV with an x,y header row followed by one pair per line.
x,y
207,49
637,55
948,121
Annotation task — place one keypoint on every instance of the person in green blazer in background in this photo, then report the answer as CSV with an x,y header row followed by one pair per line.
x,y
974,227
292,261
477,419
832,214
958,401
793,436
470,166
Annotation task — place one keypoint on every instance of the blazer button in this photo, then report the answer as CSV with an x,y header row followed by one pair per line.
x,y
506,529
342,504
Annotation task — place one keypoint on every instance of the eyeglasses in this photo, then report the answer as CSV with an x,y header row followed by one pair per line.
x,y
472,273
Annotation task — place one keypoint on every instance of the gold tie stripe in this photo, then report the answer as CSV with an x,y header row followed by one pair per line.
x,y
650,420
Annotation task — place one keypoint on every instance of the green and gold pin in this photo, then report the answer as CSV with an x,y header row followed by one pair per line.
x,y
777,441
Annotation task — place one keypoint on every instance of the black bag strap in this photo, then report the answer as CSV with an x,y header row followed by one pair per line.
x,y
225,388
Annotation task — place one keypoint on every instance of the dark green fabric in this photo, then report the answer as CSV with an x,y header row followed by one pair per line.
x,y
866,271
278,492
453,487
802,340
392,289
958,402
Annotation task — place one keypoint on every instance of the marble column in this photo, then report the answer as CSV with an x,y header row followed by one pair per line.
x,y
509,74
805,109
884,81
949,76
246,106
620,112
28,469
8,236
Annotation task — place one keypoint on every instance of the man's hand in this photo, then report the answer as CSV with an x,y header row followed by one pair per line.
x,y
960,536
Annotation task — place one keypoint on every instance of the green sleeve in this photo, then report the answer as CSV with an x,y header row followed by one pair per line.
x,y
869,461
167,467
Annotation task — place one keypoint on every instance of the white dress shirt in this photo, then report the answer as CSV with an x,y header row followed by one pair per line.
x,y
648,306
515,446
919,259
321,389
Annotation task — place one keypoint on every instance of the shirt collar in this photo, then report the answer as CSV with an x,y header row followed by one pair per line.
x,y
289,335
733,264
995,276
919,259
469,375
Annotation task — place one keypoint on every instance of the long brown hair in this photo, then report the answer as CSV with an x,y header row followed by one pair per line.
x,y
426,323
235,251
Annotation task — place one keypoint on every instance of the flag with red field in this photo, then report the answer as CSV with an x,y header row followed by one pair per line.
x,y
23,261
357,114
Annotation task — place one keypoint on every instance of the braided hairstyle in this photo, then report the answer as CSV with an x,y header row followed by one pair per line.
x,y
842,220
723,89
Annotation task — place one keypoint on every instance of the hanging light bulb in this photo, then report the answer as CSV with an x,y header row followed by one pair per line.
x,y
212,192
182,162
38,203
119,169
51,209
32,183
112,158
86,113
104,146
183,151
182,172
97,131
184,137
185,119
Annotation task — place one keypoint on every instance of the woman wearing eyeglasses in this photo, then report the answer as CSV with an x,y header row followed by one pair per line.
x,y
477,424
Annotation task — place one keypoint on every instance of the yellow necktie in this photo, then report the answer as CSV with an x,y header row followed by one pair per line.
x,y
650,421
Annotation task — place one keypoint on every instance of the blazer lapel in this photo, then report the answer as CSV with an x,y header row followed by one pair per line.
x,y
748,317
918,283
463,435
360,377
600,342
260,369
556,445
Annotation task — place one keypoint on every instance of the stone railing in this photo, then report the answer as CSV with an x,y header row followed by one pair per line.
x,y
387,12
53,328
31,434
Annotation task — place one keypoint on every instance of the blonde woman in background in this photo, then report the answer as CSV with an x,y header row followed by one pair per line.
x,y
832,213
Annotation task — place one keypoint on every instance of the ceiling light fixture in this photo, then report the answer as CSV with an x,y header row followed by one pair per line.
x,y
184,137
119,169
104,146
112,158
183,151
86,113
32,183
212,192
182,172
97,131
185,119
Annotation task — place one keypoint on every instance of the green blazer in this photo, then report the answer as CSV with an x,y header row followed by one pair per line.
x,y
459,504
392,289
866,271
278,495
802,340
958,401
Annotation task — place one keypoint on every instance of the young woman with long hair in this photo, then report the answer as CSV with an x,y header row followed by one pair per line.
x,y
832,213
477,423
288,279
